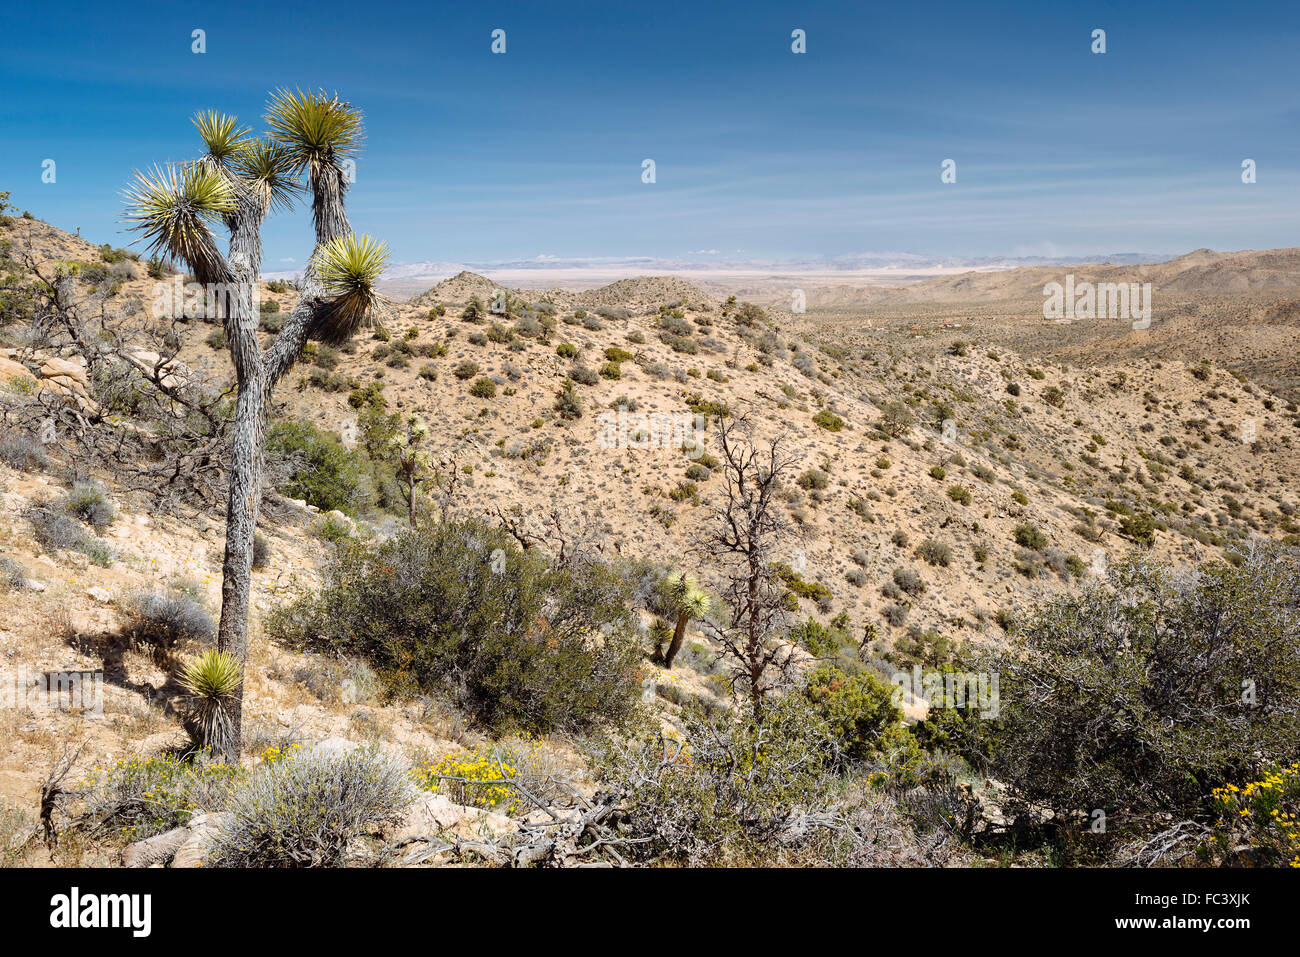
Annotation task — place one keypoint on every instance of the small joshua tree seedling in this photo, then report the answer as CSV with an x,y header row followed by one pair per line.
x,y
212,681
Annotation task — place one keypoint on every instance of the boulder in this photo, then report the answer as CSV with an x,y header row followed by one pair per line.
x,y
159,849
15,370
433,813
55,368
201,830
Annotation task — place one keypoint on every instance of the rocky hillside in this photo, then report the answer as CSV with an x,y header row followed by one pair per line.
x,y
942,482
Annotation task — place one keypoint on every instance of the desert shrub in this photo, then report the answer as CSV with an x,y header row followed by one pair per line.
x,y
566,350
675,325
960,494
583,375
261,552
466,369
322,471
749,314
727,791
12,575
896,419
23,453
813,479
1140,528
820,640
483,388
799,586
304,811
163,618
139,797
909,581
54,530
828,420
1029,536
895,614
567,401
1053,396
935,552
89,502
857,708
1255,824
473,778
460,609
1146,691
938,472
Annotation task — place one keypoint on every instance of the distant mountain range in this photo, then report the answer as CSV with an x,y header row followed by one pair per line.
x,y
589,271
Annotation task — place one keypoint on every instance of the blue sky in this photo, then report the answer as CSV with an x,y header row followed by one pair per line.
x,y
760,153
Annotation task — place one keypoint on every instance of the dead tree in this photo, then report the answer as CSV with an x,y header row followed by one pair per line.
x,y
747,531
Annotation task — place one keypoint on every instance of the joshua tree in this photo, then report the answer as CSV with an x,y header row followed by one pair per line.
x,y
238,181
689,602
412,463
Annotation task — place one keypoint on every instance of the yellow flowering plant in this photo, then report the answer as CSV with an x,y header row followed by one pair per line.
x,y
1257,824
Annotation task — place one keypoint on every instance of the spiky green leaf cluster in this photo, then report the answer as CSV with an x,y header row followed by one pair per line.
x,y
684,593
211,676
267,170
316,129
174,207
348,268
212,681
221,134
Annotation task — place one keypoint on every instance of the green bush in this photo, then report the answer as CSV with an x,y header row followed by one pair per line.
x,y
483,388
813,479
828,420
567,401
1146,691
322,471
459,608
857,708
1029,536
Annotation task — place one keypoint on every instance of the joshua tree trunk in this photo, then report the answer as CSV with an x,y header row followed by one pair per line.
x,y
245,458
676,644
